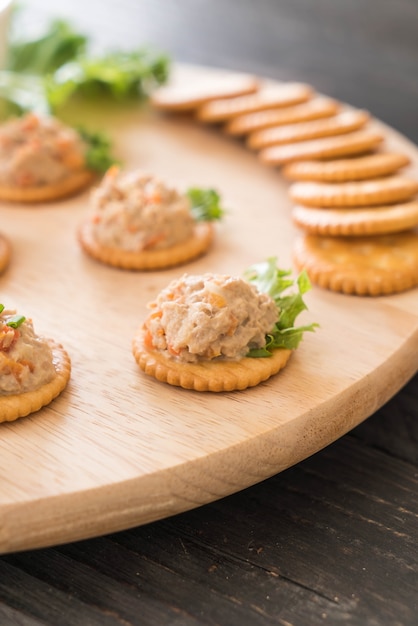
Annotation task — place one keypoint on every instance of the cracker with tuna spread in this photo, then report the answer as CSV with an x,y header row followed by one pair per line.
x,y
217,332
42,159
33,370
137,222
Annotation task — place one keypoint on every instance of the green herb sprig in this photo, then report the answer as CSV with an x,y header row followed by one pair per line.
x,y
44,54
205,203
268,278
99,151
15,321
119,75
45,72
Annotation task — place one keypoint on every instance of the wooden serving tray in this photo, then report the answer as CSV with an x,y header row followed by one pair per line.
x,y
118,448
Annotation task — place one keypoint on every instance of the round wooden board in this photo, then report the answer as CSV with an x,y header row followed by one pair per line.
x,y
119,449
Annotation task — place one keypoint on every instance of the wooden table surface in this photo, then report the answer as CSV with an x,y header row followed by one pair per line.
x,y
333,540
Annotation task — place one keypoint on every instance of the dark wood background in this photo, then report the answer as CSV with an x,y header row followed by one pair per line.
x,y
332,540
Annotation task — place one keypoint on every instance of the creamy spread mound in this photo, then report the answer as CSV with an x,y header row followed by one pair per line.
x,y
205,317
38,150
136,211
26,360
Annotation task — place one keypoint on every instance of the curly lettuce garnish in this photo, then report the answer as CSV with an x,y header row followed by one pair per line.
x,y
44,54
99,156
205,204
120,75
45,72
273,281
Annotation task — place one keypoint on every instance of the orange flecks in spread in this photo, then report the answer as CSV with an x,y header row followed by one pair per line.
x,y
73,159
112,172
173,350
156,314
31,121
15,368
24,179
216,300
8,337
153,198
233,326
148,343
153,241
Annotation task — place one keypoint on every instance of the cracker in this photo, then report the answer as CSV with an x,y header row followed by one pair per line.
x,y
339,124
364,266
281,95
213,375
344,170
376,220
199,90
181,253
357,142
68,186
19,405
316,108
354,194
5,252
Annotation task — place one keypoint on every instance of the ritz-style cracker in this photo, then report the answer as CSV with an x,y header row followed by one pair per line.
x,y
188,95
33,369
42,160
364,266
282,95
343,170
355,143
375,220
317,107
380,191
339,124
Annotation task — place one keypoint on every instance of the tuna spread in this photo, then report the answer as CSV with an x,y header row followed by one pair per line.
x,y
26,360
205,317
135,211
37,150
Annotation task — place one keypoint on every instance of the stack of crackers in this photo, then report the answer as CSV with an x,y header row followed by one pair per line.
x,y
354,206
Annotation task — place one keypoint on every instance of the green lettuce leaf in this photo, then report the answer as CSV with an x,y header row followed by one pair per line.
x,y
42,55
43,73
119,75
99,156
268,278
205,204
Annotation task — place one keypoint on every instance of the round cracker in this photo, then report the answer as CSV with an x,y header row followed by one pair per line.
x,y
316,108
357,142
5,252
281,95
345,122
354,194
19,405
199,90
364,266
68,186
343,170
354,222
163,258
215,376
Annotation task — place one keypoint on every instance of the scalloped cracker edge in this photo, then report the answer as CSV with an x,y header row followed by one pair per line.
x,y
20,405
48,193
181,253
214,376
364,266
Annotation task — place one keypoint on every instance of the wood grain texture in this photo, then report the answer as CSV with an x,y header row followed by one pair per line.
x,y
118,449
331,540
